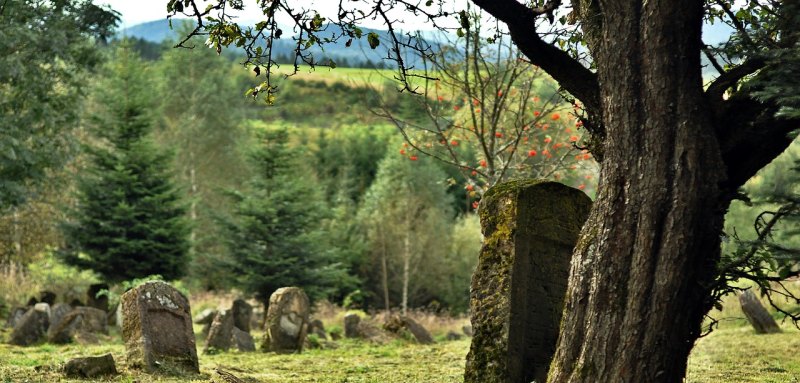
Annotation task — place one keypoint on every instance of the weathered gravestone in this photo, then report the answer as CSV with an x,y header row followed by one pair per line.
x,y
15,315
220,332
242,313
351,322
243,341
400,324
530,228
90,367
82,323
287,316
98,302
57,313
317,328
157,329
757,315
32,326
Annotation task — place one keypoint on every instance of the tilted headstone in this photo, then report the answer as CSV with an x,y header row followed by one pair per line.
x,y
757,315
79,324
399,324
32,327
98,302
157,329
220,332
517,294
242,313
243,341
205,316
287,317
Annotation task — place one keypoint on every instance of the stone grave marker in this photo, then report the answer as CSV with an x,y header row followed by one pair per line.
x,y
32,327
242,314
157,329
530,228
220,332
287,319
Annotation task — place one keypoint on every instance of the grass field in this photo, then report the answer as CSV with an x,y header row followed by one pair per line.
x,y
733,353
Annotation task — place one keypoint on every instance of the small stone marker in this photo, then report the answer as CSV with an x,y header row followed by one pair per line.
x,y
452,335
79,324
91,367
92,300
467,330
242,314
243,341
287,317
157,329
317,328
530,228
15,315
397,324
57,313
32,327
757,315
220,333
351,322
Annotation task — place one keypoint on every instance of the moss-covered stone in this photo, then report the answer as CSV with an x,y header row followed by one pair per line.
x,y
157,329
530,228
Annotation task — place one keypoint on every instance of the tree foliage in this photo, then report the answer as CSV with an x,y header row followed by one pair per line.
x,y
47,50
129,221
273,235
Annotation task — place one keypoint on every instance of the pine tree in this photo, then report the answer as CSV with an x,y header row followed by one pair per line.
x,y
274,236
129,221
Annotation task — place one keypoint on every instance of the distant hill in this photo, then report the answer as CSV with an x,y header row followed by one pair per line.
x,y
156,31
358,53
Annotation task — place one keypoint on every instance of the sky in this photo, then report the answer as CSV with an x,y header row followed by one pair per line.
x,y
140,11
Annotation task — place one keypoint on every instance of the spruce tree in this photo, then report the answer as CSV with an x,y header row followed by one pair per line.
x,y
274,236
129,221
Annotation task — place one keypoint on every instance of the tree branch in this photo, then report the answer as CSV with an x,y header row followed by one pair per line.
x,y
568,72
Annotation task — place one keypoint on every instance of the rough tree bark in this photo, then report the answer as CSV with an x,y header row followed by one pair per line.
x,y
671,159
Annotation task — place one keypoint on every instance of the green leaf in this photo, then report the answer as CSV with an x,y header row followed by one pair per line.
x,y
373,40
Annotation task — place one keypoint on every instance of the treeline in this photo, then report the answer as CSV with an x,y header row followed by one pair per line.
x,y
179,175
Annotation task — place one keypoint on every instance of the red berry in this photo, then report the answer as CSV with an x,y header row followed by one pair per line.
x,y
498,134
531,153
412,158
483,163
402,151
573,138
470,187
555,116
454,143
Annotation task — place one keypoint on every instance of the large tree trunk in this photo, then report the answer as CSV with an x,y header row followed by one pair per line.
x,y
640,275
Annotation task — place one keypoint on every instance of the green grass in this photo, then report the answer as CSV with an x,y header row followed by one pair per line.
x,y
733,353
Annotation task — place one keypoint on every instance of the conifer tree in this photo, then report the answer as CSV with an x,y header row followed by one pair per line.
x,y
129,221
274,236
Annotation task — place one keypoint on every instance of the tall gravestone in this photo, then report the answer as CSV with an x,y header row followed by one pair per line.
x,y
242,313
287,321
157,329
530,228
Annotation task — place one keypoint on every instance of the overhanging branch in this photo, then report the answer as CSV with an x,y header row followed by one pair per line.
x,y
568,72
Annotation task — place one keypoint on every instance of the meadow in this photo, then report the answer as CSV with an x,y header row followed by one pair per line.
x,y
732,353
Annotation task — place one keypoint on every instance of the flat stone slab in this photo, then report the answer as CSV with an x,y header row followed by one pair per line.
x,y
91,367
157,329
